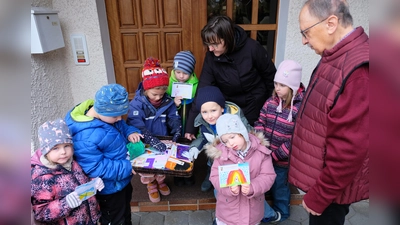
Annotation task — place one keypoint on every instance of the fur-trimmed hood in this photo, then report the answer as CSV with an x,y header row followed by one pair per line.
x,y
214,149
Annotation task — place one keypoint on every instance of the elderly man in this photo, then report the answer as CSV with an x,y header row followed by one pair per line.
x,y
330,146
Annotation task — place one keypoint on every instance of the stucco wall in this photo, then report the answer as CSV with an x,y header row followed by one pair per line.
x,y
57,84
303,54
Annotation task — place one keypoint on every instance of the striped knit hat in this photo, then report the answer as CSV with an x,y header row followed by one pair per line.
x,y
185,61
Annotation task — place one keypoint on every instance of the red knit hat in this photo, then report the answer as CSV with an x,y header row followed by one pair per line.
x,y
153,74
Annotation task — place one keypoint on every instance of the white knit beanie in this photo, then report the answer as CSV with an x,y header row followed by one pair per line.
x,y
230,123
289,74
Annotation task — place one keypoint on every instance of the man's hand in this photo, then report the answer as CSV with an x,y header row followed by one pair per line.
x,y
190,136
312,212
134,137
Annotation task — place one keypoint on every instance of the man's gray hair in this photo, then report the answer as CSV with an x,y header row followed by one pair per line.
x,y
322,9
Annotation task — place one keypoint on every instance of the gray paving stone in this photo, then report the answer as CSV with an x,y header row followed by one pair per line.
x,y
359,219
298,213
358,215
289,222
178,217
153,218
361,207
351,212
200,218
135,218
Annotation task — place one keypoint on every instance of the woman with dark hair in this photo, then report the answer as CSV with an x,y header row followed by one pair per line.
x,y
238,65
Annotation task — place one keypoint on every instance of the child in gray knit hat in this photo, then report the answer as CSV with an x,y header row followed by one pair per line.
x,y
237,145
55,175
211,103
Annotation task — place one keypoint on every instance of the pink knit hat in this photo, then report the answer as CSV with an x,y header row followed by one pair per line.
x,y
289,74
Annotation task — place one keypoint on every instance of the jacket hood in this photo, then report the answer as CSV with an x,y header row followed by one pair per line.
x,y
256,139
240,37
35,158
78,113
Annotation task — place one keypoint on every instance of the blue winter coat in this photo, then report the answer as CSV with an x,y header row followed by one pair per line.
x,y
100,148
162,121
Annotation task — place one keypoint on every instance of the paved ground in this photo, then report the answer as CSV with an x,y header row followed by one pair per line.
x,y
358,215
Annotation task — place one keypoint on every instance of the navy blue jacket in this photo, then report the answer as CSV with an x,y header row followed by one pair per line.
x,y
161,121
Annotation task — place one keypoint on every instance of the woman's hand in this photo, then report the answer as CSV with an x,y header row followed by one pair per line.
x,y
134,137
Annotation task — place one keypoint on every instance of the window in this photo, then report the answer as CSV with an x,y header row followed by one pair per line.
x,y
257,17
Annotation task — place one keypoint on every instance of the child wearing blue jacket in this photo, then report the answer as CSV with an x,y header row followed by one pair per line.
x,y
100,137
155,114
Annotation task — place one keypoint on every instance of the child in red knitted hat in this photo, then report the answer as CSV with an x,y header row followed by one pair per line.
x,y
155,114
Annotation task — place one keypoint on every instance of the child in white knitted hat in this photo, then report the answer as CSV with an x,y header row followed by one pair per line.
x,y
55,175
236,145
276,121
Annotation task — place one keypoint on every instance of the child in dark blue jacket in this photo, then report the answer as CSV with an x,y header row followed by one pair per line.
x,y
155,114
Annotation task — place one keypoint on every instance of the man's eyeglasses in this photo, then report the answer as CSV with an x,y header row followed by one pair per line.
x,y
303,32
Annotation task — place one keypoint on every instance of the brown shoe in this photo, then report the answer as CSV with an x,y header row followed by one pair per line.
x,y
163,188
154,196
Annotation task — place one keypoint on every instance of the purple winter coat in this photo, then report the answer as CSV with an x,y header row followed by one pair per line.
x,y
241,209
49,188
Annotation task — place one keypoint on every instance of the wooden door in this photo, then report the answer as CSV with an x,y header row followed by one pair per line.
x,y
159,28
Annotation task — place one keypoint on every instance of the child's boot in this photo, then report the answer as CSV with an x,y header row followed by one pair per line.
x,y
154,196
206,185
162,187
146,178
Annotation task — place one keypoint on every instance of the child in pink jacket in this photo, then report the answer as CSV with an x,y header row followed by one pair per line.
x,y
240,204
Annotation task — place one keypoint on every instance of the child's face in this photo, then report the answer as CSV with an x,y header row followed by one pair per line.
x,y
155,94
60,153
211,111
234,141
110,119
282,90
181,76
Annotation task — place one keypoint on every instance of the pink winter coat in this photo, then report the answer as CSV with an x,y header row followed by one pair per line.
x,y
241,209
49,188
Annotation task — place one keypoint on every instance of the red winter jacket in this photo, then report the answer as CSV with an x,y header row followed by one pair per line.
x,y
330,157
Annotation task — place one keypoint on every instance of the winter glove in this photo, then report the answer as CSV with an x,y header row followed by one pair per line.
x,y
99,184
73,200
154,142
176,136
192,153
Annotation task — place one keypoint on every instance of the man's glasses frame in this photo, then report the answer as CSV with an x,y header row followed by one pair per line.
x,y
303,32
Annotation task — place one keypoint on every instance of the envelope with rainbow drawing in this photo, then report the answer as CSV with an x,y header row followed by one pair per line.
x,y
234,174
